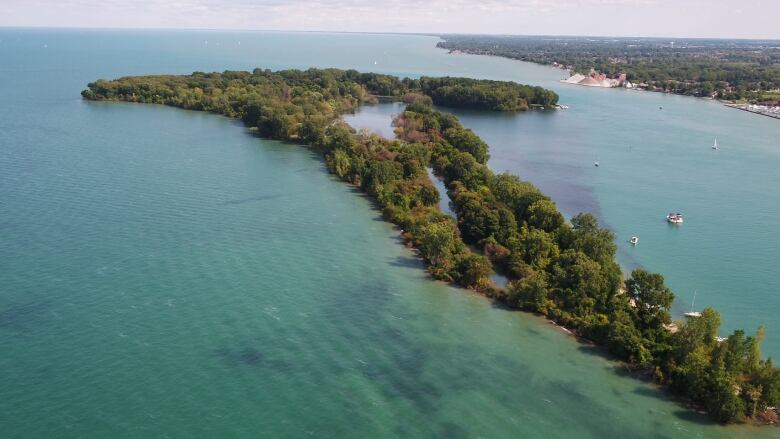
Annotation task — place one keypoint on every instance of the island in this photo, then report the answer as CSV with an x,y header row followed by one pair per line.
x,y
739,71
563,270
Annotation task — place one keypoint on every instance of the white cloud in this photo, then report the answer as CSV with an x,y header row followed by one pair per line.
x,y
593,17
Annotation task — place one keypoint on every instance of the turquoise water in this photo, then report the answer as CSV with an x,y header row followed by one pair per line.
x,y
654,161
164,273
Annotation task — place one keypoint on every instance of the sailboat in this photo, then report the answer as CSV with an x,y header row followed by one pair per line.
x,y
693,313
715,145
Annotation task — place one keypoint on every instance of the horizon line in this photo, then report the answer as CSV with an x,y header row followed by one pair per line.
x,y
431,34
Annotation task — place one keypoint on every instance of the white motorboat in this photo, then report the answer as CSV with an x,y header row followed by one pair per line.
x,y
634,240
674,218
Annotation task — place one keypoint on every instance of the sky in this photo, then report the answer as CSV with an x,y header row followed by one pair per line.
x,y
659,18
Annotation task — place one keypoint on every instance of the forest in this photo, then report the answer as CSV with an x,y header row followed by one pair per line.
x,y
564,270
736,70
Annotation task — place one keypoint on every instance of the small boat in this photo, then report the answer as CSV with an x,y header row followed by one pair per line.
x,y
634,240
715,145
675,218
596,164
692,313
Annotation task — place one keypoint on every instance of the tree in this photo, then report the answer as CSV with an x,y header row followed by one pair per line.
x,y
544,215
652,298
474,270
597,243
535,247
465,140
530,293
697,332
753,355
339,136
578,282
723,401
438,241
625,340
312,130
339,163
465,168
429,195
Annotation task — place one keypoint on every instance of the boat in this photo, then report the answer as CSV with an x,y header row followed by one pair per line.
x,y
674,218
715,145
634,240
692,313
596,164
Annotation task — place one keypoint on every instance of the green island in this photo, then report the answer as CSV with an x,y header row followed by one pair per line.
x,y
734,70
564,270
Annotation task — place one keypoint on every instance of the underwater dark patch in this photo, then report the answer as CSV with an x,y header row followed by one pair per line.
x,y
251,199
21,317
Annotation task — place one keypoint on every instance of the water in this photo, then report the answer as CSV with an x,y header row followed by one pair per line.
x,y
654,161
164,273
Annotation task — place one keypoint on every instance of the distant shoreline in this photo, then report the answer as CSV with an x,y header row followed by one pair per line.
x,y
763,110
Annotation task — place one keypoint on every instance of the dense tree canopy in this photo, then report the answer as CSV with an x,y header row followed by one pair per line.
x,y
567,271
564,270
491,95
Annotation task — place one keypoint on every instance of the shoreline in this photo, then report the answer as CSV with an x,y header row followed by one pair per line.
x,y
449,259
746,107
565,81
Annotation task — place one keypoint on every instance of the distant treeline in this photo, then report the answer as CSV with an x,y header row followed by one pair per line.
x,y
734,70
565,270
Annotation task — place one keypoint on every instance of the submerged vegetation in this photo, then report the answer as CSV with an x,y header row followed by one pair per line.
x,y
564,270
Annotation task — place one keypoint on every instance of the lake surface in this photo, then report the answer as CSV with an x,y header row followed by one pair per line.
x,y
164,273
655,157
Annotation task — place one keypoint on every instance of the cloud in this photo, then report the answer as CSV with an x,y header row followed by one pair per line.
x,y
584,17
